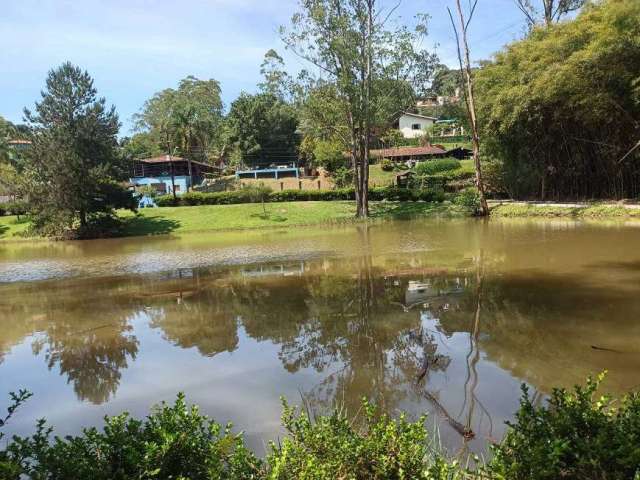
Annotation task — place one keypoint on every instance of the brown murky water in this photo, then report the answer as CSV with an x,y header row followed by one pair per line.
x,y
442,317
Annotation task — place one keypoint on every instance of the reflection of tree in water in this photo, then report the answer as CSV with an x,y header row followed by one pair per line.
x,y
89,338
355,334
92,359
200,320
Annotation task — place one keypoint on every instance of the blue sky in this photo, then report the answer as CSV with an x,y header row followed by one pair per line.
x,y
134,48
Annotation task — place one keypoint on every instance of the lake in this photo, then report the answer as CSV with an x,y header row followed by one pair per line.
x,y
444,317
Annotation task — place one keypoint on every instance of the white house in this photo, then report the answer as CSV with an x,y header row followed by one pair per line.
x,y
413,125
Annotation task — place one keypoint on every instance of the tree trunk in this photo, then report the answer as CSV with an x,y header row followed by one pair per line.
x,y
190,186
471,107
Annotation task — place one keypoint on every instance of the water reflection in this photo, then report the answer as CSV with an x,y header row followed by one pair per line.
x,y
409,331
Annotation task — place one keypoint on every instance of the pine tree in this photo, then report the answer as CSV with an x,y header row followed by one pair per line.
x,y
73,166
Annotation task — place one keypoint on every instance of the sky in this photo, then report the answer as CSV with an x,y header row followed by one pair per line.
x,y
134,48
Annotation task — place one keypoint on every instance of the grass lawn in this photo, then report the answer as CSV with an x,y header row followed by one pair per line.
x,y
595,211
206,218
10,226
380,178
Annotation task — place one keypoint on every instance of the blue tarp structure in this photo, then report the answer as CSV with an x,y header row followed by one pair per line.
x,y
146,202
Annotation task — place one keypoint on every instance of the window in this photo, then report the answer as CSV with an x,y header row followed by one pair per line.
x,y
415,126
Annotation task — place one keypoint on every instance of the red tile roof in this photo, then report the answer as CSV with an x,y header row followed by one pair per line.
x,y
408,152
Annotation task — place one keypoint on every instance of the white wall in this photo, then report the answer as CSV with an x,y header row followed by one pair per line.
x,y
406,122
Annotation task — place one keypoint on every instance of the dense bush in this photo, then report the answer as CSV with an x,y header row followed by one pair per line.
x,y
561,107
15,207
245,195
330,155
331,447
575,436
431,167
173,442
387,165
343,177
468,198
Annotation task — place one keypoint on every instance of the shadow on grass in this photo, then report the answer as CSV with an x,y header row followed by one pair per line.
x,y
142,225
269,216
404,209
3,230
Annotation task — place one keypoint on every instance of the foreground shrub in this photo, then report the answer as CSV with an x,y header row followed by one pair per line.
x,y
173,442
575,436
332,448
431,167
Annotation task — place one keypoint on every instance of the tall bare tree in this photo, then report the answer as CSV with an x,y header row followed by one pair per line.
x,y
462,45
552,10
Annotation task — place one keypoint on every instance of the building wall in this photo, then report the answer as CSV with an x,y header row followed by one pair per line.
x,y
180,181
406,122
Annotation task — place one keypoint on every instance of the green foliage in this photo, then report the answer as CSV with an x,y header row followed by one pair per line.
x,y
9,467
343,177
174,441
332,447
575,436
186,120
392,138
330,155
446,81
431,167
16,207
263,128
148,191
387,165
142,145
468,198
277,81
371,68
560,108
246,195
73,165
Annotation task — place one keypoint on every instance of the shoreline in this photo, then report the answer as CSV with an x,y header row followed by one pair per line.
x,y
177,221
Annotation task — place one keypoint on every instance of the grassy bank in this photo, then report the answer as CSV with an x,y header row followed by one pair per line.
x,y
594,211
206,218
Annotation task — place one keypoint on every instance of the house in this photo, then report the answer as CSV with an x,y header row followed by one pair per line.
x,y
409,154
413,125
164,171
19,144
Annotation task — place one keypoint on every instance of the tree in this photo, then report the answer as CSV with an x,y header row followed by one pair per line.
x,y
73,165
363,62
6,133
469,97
552,10
561,109
263,128
277,81
187,119
329,155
